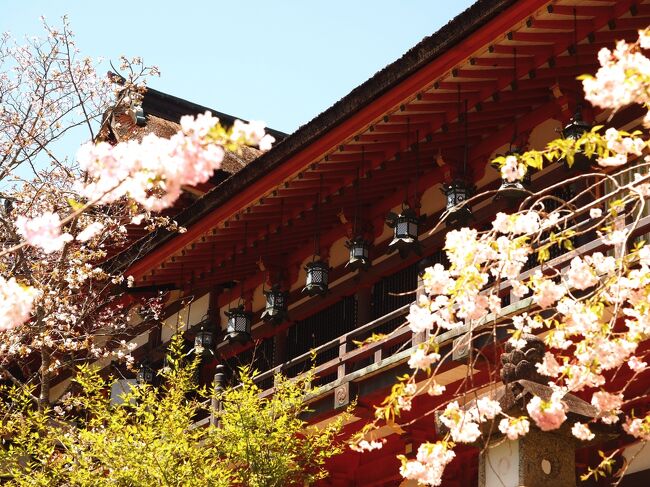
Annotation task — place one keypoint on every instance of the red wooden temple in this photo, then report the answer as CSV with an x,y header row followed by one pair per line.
x,y
501,74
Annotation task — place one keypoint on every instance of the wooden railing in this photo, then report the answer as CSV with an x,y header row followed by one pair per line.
x,y
353,362
349,355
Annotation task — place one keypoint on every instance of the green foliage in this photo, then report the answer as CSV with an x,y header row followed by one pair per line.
x,y
151,439
283,450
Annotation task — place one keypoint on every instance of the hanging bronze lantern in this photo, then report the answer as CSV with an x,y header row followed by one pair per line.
x,y
317,281
405,232
575,129
145,374
239,325
513,190
275,310
359,253
203,341
457,192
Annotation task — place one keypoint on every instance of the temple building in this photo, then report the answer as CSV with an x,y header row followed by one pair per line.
x,y
314,246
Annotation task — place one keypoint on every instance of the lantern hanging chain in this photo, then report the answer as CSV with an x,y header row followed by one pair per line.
x,y
317,225
408,147
355,228
189,314
515,92
232,276
466,148
417,168
178,315
281,215
241,284
459,118
266,251
213,268
575,34
575,47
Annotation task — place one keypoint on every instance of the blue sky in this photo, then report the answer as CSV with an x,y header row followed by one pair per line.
x,y
278,61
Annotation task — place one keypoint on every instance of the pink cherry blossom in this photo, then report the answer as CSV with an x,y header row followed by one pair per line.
x,y
462,427
90,231
644,255
503,223
595,213
636,364
644,39
549,365
512,170
546,292
527,223
43,231
580,274
16,302
153,171
422,360
613,161
365,445
419,318
485,409
548,415
638,427
519,289
437,280
429,465
514,428
608,405
582,432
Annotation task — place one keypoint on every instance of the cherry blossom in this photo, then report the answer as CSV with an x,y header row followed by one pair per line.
x,y
485,409
546,292
513,428
365,445
608,406
512,170
549,365
419,318
582,432
152,171
437,280
422,360
462,427
638,427
16,302
43,231
429,465
89,232
580,275
548,415
636,364
595,213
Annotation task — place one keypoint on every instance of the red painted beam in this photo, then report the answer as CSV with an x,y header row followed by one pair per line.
x,y
365,116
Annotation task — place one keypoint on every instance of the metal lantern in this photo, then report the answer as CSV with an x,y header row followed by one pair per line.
x,y
275,310
145,374
513,190
575,129
359,253
317,281
203,341
239,325
457,192
405,232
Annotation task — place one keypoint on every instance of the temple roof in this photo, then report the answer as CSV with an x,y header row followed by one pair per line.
x,y
157,103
